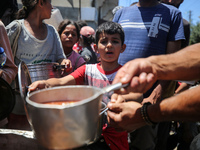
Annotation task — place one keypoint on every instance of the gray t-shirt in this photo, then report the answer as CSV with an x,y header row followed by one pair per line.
x,y
32,50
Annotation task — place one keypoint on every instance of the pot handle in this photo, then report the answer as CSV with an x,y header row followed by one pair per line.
x,y
58,67
103,111
113,87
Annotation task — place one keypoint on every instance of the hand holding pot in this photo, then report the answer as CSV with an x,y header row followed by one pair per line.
x,y
125,116
140,73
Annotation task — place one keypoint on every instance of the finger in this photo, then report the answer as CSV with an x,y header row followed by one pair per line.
x,y
120,74
150,77
114,98
142,82
115,107
120,99
37,85
113,117
33,87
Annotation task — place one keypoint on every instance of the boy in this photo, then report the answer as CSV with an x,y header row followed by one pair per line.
x,y
109,44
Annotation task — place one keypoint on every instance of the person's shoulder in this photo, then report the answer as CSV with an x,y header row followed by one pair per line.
x,y
126,9
169,7
129,8
2,25
14,23
185,22
75,54
50,27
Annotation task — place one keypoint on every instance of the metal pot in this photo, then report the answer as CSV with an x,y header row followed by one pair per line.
x,y
68,126
44,71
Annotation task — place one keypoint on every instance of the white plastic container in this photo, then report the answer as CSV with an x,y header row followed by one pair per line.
x,y
55,19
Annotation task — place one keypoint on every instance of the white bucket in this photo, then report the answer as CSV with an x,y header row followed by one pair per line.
x,y
55,19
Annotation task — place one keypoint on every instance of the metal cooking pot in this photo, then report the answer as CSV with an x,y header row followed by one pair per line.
x,y
66,126
44,71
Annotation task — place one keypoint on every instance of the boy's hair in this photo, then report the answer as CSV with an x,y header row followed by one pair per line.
x,y
67,22
109,28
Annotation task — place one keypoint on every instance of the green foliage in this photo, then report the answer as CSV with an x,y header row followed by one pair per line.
x,y
195,34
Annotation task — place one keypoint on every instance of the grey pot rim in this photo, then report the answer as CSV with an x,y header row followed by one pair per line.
x,y
78,103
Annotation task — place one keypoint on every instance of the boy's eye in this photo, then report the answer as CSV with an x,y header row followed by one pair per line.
x,y
66,33
103,41
115,41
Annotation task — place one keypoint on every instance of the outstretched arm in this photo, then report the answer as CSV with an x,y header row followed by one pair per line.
x,y
67,80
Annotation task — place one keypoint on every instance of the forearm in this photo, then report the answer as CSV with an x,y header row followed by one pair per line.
x,y
182,107
67,80
184,65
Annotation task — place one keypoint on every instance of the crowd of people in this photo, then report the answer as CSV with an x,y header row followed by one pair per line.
x,y
140,46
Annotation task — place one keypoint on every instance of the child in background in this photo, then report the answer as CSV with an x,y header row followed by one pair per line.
x,y
77,46
69,34
87,40
38,42
109,44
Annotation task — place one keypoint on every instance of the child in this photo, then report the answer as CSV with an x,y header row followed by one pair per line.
x,y
69,34
87,40
77,46
109,44
37,42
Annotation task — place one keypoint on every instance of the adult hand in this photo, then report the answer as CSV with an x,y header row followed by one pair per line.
x,y
116,98
125,116
139,73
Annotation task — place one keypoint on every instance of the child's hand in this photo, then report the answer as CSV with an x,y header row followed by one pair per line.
x,y
68,65
38,85
116,98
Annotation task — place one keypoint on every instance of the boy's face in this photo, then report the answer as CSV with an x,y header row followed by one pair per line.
x,y
109,47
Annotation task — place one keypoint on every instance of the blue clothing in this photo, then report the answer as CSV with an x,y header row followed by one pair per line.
x,y
148,29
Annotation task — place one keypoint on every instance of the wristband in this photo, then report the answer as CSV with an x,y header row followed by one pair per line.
x,y
145,115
